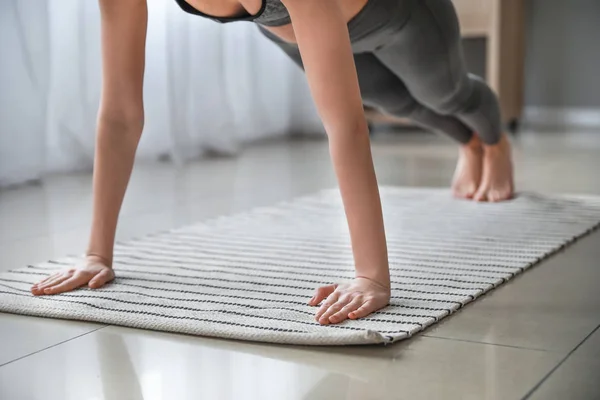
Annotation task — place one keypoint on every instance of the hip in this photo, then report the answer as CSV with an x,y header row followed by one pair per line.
x,y
365,18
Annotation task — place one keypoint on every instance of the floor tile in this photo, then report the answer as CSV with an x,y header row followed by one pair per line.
x,y
124,363
578,377
553,306
591,347
21,335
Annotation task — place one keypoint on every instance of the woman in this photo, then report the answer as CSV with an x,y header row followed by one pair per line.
x,y
402,56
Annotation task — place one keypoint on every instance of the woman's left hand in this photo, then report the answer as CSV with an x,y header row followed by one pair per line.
x,y
355,299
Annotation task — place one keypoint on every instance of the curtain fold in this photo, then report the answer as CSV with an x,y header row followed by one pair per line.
x,y
208,87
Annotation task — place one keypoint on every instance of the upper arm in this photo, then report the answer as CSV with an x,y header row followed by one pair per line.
x,y
124,25
322,35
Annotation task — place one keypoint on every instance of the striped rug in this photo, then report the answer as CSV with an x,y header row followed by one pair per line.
x,y
249,276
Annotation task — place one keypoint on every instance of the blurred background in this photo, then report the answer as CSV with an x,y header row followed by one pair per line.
x,y
211,88
207,87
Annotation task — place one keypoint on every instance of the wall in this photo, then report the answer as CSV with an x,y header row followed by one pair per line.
x,y
562,67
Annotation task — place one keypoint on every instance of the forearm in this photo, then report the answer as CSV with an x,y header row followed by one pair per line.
x,y
353,164
120,118
322,36
116,144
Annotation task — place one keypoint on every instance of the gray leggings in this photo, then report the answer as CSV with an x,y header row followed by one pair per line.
x,y
410,64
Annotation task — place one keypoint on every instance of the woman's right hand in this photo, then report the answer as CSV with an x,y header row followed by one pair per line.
x,y
93,273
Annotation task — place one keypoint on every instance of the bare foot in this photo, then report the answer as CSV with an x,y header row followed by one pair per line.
x,y
468,169
497,180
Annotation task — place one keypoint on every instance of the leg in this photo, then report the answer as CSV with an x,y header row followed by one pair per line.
x,y
427,55
382,89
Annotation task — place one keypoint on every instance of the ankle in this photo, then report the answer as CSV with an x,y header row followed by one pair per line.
x,y
474,145
502,141
501,146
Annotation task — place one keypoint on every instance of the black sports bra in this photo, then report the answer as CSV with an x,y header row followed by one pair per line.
x,y
271,13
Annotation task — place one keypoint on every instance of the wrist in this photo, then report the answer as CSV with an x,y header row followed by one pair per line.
x,y
98,258
376,270
382,280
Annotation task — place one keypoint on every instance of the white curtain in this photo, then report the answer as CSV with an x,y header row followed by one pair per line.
x,y
208,87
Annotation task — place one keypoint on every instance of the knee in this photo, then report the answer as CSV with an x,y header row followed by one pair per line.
x,y
402,107
464,96
454,99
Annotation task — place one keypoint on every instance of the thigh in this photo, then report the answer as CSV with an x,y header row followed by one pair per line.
x,y
381,88
427,54
290,49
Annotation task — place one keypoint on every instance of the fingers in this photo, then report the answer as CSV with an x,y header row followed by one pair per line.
x,y
343,314
333,308
367,308
55,279
331,300
101,279
51,282
94,276
49,278
322,293
71,283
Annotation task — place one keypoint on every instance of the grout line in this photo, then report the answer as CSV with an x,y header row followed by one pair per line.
x,y
489,344
545,378
54,345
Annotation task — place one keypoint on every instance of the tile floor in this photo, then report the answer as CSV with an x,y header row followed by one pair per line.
x,y
536,337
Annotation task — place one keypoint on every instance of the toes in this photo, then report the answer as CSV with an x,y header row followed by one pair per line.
x,y
498,195
481,195
457,194
494,196
510,194
464,193
471,193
